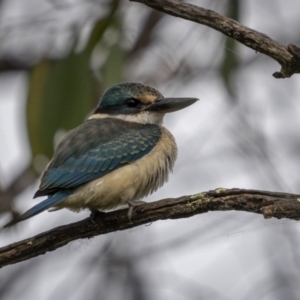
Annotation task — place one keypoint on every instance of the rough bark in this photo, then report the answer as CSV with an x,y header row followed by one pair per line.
x,y
269,204
287,56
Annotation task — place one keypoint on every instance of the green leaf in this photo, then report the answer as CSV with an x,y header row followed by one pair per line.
x,y
101,27
62,93
230,61
60,96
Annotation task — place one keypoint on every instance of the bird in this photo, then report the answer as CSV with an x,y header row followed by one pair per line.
x,y
119,155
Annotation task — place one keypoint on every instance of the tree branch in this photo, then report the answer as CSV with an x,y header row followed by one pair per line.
x,y
25,178
13,64
269,204
287,56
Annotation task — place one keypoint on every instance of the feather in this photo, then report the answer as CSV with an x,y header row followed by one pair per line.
x,y
50,202
96,148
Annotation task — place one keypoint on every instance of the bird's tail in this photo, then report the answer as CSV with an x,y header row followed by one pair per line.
x,y
35,210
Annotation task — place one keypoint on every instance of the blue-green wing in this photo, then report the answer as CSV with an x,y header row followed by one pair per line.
x,y
94,149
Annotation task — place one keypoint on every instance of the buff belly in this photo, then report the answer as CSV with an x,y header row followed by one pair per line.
x,y
128,183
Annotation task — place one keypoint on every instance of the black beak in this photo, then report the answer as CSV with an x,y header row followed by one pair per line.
x,y
166,105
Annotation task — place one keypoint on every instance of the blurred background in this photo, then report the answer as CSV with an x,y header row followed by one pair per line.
x,y
56,59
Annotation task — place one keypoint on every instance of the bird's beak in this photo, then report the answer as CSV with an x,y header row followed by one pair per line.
x,y
166,105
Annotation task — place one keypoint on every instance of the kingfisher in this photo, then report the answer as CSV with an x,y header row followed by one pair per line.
x,y
121,154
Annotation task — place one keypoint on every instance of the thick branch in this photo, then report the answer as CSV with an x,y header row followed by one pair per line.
x,y
270,204
287,56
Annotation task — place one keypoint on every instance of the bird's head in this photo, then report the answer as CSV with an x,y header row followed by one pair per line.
x,y
137,102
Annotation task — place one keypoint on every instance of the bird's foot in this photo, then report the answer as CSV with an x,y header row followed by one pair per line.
x,y
93,215
132,205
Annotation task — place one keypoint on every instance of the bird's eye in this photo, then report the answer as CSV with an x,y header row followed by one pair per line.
x,y
132,103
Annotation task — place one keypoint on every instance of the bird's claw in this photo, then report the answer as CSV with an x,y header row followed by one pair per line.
x,y
93,215
132,205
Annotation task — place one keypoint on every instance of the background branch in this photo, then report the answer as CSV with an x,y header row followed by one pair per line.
x,y
287,56
25,178
270,204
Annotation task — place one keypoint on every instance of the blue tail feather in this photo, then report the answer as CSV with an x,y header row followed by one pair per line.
x,y
44,205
